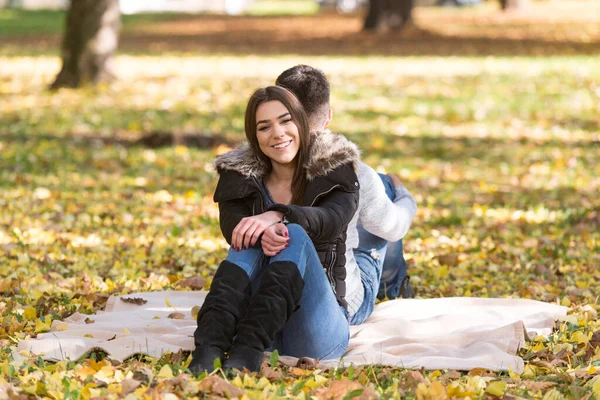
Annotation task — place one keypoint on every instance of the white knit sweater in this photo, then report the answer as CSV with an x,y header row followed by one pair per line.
x,y
379,216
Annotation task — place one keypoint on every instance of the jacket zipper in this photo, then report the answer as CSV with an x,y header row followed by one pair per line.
x,y
329,271
324,193
261,197
331,265
314,200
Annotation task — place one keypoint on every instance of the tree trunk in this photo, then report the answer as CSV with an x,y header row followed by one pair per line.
x,y
401,12
373,21
89,43
508,5
386,15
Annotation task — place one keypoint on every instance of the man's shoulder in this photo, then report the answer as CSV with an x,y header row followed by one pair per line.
x,y
366,174
329,151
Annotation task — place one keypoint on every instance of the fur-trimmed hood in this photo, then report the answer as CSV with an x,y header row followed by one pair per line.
x,y
328,151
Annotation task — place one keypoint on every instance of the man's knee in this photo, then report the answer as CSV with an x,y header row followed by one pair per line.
x,y
334,347
390,191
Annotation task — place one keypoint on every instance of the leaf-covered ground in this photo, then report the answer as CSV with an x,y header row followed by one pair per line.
x,y
501,153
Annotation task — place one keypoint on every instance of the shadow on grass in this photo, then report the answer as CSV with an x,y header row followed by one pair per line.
x,y
459,149
426,146
417,42
489,153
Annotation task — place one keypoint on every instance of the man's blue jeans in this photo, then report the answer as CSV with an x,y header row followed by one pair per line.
x,y
319,328
381,263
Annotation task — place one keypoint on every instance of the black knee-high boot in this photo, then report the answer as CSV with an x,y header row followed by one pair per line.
x,y
272,305
218,318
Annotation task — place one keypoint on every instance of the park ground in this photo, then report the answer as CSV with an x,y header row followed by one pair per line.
x,y
491,120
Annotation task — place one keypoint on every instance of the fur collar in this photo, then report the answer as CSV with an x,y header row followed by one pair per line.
x,y
241,160
328,151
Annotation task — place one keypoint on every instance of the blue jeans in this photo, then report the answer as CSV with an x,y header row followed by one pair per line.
x,y
319,328
382,265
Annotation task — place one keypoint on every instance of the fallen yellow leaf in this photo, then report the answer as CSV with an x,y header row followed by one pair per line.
x,y
195,310
580,337
29,314
165,372
41,326
513,375
496,388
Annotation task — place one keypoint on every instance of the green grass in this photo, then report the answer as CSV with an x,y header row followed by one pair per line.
x,y
19,22
16,22
283,7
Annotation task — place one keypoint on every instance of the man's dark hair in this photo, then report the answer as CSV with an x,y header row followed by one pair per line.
x,y
311,87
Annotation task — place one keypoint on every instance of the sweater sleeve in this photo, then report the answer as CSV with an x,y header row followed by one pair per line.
x,y
377,213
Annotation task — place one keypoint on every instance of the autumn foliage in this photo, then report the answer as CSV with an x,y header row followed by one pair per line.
x,y
501,153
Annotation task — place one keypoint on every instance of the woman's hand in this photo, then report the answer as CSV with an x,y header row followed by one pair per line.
x,y
275,239
247,232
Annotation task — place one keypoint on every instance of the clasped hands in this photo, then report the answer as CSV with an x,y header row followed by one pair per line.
x,y
275,236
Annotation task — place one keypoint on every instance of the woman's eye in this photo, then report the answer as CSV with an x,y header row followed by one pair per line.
x,y
285,121
263,128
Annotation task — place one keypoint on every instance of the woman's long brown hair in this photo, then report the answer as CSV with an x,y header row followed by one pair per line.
x,y
299,118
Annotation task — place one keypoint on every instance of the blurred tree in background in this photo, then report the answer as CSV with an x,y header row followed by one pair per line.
x,y
89,42
512,4
490,117
91,33
388,14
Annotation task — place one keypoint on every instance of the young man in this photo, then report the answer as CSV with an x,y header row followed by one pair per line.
x,y
385,212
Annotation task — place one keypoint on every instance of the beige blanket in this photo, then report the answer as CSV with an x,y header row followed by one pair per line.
x,y
455,333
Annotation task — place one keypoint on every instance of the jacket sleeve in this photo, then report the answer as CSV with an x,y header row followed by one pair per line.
x,y
378,214
233,204
327,221
231,213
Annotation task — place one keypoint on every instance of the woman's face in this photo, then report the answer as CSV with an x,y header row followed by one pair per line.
x,y
277,133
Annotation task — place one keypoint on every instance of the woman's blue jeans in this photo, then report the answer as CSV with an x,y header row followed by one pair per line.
x,y
381,263
319,328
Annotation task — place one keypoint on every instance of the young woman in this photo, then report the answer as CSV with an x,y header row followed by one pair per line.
x,y
285,199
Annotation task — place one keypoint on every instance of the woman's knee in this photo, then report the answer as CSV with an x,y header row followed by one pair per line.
x,y
297,232
249,260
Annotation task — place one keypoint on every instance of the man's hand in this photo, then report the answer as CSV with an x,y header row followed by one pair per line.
x,y
395,180
247,232
275,239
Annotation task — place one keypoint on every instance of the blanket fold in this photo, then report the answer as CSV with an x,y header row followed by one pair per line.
x,y
446,333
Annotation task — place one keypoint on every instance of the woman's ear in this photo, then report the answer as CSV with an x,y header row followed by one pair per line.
x,y
329,117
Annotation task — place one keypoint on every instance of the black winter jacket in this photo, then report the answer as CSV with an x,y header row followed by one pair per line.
x,y
330,199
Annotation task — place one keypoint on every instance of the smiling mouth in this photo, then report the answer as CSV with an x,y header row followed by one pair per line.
x,y
282,145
